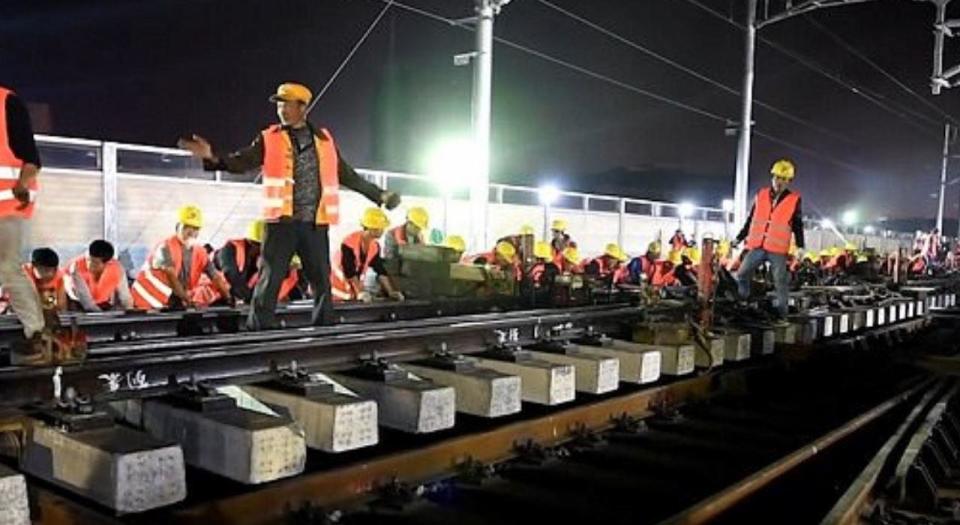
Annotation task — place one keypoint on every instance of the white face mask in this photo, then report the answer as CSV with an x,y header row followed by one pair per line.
x,y
190,242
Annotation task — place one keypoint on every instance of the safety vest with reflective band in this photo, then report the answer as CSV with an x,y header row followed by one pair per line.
x,y
10,169
770,225
103,290
619,274
152,289
537,271
341,288
52,286
288,284
240,250
663,274
277,182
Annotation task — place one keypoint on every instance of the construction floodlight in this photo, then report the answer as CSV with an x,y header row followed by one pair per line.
x,y
463,59
548,194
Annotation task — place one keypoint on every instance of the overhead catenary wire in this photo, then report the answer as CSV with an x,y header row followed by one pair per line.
x,y
890,76
623,85
867,94
690,71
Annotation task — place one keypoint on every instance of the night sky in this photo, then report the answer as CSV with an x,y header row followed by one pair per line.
x,y
148,71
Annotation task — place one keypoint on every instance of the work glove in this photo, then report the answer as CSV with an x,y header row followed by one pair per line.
x,y
365,297
390,199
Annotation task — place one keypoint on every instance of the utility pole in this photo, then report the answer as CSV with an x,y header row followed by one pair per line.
x,y
746,119
943,175
482,109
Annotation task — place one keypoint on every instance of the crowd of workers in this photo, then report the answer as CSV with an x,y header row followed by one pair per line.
x,y
286,254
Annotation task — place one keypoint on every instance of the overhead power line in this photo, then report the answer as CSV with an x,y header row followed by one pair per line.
x,y
624,85
867,94
857,53
690,71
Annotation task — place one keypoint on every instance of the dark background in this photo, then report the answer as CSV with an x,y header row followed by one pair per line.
x,y
148,71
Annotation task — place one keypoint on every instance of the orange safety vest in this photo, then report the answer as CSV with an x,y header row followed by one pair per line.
x,y
240,249
278,176
10,170
152,289
491,259
663,274
400,235
101,290
770,226
288,284
52,286
340,286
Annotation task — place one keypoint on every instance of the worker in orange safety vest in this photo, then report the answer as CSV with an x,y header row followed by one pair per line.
x,y
97,281
359,252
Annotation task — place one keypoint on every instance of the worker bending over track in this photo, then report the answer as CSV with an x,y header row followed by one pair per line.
x,y
359,252
97,281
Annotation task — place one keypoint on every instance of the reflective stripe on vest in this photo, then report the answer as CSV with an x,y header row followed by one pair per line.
x,y
278,158
101,291
152,289
10,166
770,227
340,286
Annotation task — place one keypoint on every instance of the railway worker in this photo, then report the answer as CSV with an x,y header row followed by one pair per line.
x,y
456,243
774,218
543,272
239,260
295,286
678,241
642,268
302,174
171,275
412,231
559,238
359,252
19,170
685,273
43,271
608,266
502,258
569,261
97,281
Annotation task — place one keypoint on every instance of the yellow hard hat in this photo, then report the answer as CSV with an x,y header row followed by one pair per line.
x,y
825,252
783,168
255,230
295,261
810,256
692,253
559,225
542,250
374,219
455,242
571,255
613,250
526,229
190,215
654,247
835,251
419,217
674,257
850,247
505,249
290,92
723,249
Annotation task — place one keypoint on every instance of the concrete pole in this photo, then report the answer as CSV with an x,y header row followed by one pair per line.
x,y
743,150
482,100
943,176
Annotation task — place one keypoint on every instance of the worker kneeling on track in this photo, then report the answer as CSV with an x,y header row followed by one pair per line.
x,y
359,252
171,275
502,259
412,231
609,266
539,280
775,216
239,260
97,281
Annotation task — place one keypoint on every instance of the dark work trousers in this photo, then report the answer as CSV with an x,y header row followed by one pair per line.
x,y
281,241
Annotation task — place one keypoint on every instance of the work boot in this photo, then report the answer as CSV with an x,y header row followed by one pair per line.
x,y
36,351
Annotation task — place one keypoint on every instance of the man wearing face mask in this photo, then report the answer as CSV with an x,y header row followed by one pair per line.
x,y
302,172
173,269
774,219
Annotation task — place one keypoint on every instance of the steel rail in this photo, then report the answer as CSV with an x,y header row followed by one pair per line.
x,y
713,506
122,376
